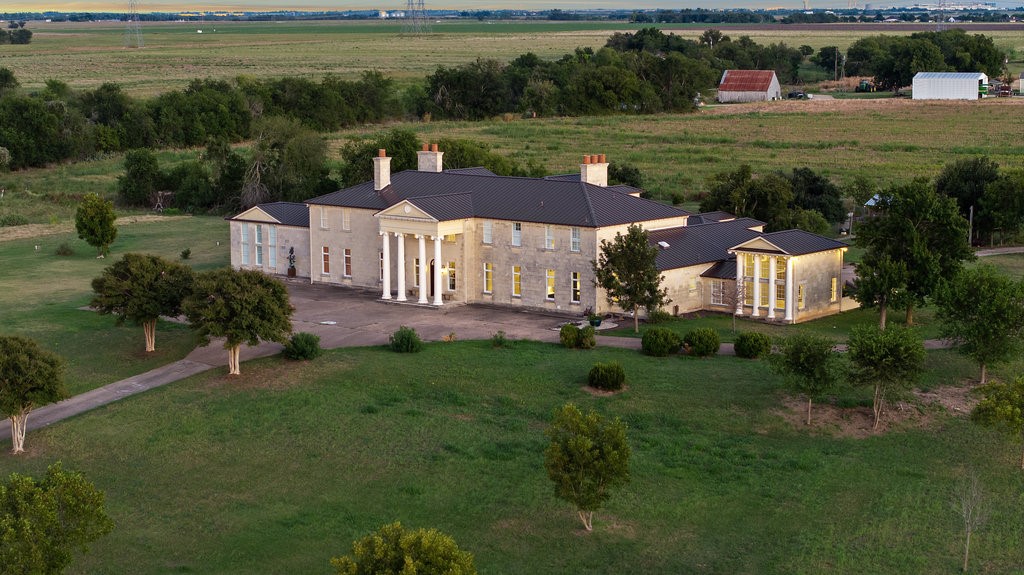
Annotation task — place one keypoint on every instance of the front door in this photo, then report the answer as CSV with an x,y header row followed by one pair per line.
x,y
432,287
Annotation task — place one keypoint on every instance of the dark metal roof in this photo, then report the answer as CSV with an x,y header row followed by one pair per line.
x,y
287,213
746,80
536,200
693,245
723,270
576,177
709,218
799,242
475,171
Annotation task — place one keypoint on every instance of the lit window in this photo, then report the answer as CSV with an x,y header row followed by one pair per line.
x,y
244,229
488,232
549,238
718,292
764,267
549,293
517,234
327,261
574,244
450,238
488,278
346,219
517,281
272,247
748,293
800,297
348,262
780,269
748,265
416,272
835,290
451,276
764,295
323,217
780,297
575,287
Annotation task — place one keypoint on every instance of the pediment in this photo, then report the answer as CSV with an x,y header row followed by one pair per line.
x,y
406,210
255,214
758,245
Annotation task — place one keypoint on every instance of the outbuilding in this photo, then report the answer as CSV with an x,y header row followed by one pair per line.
x,y
749,86
949,85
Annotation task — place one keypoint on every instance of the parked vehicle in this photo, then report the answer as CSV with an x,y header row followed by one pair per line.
x,y
865,86
796,95
1004,91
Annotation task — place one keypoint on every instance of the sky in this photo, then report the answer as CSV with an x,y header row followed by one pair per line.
x,y
313,5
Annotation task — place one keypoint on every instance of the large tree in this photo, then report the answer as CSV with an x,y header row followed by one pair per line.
x,y
94,222
242,306
394,550
1002,407
44,522
982,310
1003,205
888,360
810,364
30,376
881,282
627,270
966,180
141,288
587,458
141,179
288,163
921,229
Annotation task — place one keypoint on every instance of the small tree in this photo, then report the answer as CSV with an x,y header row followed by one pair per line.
x,y
969,503
1002,407
141,288
888,360
94,222
810,365
45,522
983,311
29,377
587,458
142,177
243,306
393,550
627,270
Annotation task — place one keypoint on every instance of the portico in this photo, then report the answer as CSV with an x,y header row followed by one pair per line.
x,y
407,222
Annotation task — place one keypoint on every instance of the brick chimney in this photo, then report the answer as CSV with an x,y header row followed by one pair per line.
x,y
429,159
594,170
381,170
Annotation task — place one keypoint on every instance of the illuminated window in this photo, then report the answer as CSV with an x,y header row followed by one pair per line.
x,y
517,234
718,292
517,281
748,293
835,290
800,297
575,294
764,295
451,276
549,238
748,265
326,270
450,238
348,263
764,267
780,269
244,229
416,272
780,297
488,232
488,277
381,254
574,244
549,293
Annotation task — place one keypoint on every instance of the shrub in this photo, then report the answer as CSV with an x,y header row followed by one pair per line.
x,y
660,342
607,376
64,250
186,253
702,342
753,345
569,335
13,220
303,346
406,340
658,316
587,338
499,339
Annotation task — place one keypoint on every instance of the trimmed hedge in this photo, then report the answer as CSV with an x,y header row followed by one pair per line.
x,y
753,345
660,342
569,335
303,346
607,376
406,340
588,338
702,342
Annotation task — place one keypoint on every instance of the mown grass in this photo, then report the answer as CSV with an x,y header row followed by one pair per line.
x,y
41,294
281,469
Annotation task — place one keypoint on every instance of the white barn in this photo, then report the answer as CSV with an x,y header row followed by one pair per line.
x,y
949,85
749,86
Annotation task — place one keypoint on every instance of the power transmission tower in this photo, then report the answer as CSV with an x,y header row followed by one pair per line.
x,y
416,18
940,24
133,29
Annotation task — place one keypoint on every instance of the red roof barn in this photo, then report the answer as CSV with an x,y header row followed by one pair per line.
x,y
749,86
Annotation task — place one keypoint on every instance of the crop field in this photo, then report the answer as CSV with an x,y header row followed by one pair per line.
x,y
85,55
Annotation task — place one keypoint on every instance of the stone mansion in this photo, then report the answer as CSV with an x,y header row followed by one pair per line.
x,y
440,237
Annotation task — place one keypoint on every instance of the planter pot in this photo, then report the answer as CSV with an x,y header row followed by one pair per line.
x,y
291,272
595,322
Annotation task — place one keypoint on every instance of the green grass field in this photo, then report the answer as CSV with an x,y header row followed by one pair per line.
x,y
280,470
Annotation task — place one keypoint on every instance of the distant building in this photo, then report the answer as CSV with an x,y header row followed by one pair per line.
x,y
749,86
949,85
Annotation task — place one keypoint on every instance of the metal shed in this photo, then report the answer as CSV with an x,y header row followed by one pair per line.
x,y
949,85
749,86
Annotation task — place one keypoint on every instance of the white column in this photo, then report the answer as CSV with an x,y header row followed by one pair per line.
x,y
740,296
771,287
757,286
423,269
401,266
789,289
386,250
437,270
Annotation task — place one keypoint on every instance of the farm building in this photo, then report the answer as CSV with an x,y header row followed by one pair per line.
x,y
749,86
949,85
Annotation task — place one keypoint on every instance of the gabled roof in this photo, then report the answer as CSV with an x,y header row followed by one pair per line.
x,y
746,80
694,245
724,270
284,213
709,218
799,242
950,76
456,195
576,178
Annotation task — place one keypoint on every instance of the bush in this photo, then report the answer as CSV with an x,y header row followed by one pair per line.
x,y
607,376
752,345
569,335
64,250
303,346
587,338
702,342
499,339
658,316
13,220
186,253
406,340
660,342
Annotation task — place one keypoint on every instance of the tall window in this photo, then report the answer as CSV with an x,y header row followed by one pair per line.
x,y
416,272
517,281
259,245
381,277
326,270
800,297
780,297
574,244
488,277
748,293
451,276
488,232
347,262
748,265
575,294
764,295
272,247
517,233
244,229
835,290
764,267
718,292
780,269
549,292
346,219
549,238
323,217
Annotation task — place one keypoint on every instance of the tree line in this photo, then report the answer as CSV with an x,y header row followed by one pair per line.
x,y
16,33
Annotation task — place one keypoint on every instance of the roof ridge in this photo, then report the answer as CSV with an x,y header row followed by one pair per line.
x,y
586,199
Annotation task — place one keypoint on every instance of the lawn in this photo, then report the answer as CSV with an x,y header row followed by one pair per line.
x,y
279,470
42,293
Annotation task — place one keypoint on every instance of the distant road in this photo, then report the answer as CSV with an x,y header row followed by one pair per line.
x,y
865,26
